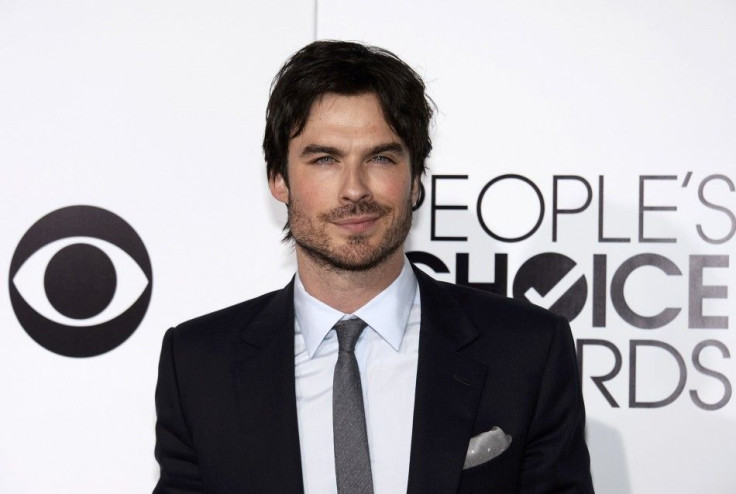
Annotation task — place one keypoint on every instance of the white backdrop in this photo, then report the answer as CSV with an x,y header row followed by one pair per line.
x,y
154,111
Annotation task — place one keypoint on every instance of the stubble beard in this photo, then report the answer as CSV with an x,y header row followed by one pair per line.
x,y
357,253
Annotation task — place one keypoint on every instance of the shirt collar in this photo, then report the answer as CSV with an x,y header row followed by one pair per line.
x,y
386,313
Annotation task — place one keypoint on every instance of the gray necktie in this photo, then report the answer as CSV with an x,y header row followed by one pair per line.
x,y
352,461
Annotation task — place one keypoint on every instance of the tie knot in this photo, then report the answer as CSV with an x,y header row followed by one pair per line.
x,y
348,332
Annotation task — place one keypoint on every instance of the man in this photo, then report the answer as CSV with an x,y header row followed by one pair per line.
x,y
364,374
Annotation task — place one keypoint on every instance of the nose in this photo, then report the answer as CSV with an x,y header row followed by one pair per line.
x,y
354,185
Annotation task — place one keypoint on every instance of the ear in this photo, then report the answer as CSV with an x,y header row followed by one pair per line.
x,y
415,186
279,189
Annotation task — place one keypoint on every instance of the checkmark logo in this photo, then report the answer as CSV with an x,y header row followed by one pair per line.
x,y
560,288
552,281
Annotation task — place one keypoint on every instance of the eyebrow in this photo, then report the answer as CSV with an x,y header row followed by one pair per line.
x,y
389,147
317,149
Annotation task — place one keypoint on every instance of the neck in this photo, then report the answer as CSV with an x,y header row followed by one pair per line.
x,y
345,290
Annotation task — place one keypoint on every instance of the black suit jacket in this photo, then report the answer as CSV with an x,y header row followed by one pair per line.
x,y
226,407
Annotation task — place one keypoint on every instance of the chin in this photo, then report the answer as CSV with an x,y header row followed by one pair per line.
x,y
353,256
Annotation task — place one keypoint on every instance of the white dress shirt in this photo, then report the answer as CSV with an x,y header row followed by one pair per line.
x,y
387,359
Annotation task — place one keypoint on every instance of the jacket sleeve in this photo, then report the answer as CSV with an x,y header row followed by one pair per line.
x,y
174,450
556,457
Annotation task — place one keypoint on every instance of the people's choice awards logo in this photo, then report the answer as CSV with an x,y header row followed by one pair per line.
x,y
80,281
650,257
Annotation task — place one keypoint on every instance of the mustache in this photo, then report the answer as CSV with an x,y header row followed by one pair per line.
x,y
361,208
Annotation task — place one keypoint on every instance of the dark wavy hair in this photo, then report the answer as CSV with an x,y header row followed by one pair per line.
x,y
346,68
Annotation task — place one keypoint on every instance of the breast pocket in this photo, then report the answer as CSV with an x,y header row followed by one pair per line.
x,y
498,476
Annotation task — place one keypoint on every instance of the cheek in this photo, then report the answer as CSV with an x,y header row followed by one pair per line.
x,y
309,200
393,185
397,192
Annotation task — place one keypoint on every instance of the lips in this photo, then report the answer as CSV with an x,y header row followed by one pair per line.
x,y
357,224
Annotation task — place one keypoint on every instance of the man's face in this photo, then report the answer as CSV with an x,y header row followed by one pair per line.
x,y
350,188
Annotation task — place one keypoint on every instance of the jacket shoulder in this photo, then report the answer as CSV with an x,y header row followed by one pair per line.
x,y
491,311
222,325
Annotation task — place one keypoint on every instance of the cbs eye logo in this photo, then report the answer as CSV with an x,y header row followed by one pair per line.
x,y
80,281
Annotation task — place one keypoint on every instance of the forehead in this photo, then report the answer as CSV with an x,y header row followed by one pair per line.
x,y
346,116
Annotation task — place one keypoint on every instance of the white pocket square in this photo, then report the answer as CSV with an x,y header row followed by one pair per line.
x,y
486,446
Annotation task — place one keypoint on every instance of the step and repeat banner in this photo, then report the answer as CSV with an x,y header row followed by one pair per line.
x,y
584,160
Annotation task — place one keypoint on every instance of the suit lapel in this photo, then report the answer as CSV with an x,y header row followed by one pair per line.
x,y
263,376
448,389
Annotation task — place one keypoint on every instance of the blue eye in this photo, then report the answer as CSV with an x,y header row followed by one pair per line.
x,y
385,160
